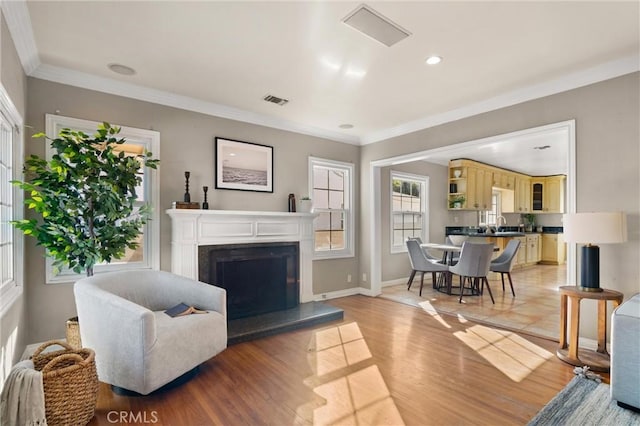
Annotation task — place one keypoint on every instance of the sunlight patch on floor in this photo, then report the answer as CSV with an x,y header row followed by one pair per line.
x,y
428,308
354,392
513,355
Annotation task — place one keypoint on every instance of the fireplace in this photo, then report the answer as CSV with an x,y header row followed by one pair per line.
x,y
259,277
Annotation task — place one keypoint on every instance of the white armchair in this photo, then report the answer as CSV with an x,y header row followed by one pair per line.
x,y
138,347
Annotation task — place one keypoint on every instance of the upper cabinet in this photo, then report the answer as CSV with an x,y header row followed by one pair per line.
x,y
547,194
471,185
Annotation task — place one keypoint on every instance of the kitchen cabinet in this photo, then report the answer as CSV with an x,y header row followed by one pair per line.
x,y
521,257
471,181
533,248
503,180
547,194
553,249
522,194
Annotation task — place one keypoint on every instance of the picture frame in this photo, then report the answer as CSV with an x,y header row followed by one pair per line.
x,y
243,166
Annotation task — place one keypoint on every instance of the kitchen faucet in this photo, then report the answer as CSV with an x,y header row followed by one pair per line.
x,y
503,219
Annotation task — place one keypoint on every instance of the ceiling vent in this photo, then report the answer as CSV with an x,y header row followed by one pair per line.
x,y
275,100
376,26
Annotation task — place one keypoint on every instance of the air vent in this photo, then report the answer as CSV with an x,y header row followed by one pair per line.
x,y
275,100
376,26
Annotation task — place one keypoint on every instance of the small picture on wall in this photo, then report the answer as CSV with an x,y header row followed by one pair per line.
x,y
243,166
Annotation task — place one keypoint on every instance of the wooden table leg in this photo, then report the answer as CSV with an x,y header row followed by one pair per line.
x,y
602,326
563,321
575,328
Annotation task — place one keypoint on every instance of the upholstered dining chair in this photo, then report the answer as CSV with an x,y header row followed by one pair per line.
x,y
473,266
504,263
428,255
420,263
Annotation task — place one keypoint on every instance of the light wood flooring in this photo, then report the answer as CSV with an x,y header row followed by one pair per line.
x,y
535,309
385,363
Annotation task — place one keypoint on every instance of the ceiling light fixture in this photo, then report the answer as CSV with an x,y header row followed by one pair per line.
x,y
346,126
121,69
433,60
543,147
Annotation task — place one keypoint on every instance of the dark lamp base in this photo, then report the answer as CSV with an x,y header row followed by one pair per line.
x,y
591,289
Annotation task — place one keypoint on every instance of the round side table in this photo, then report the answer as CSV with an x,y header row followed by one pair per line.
x,y
568,351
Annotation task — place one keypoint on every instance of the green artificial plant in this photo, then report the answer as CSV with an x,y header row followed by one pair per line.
x,y
85,197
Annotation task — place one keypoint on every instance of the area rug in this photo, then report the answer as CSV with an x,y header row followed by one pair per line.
x,y
583,402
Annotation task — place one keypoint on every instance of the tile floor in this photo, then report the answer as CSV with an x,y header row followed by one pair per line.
x,y
535,309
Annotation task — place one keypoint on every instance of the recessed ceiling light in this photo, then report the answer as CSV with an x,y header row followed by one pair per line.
x,y
121,69
432,60
346,126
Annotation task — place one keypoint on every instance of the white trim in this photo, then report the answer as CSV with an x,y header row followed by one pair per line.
x,y
151,138
375,260
342,293
10,296
349,250
397,281
424,197
572,81
133,91
16,14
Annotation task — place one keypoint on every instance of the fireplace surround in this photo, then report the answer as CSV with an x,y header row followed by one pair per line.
x,y
192,229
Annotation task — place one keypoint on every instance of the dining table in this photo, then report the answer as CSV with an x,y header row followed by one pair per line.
x,y
449,251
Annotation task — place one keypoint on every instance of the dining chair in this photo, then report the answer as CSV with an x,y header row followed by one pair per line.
x,y
420,263
473,266
428,255
504,263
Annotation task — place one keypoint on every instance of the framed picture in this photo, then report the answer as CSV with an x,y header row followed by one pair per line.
x,y
243,166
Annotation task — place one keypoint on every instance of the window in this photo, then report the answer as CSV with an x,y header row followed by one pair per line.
x,y
11,239
490,217
147,255
409,194
331,189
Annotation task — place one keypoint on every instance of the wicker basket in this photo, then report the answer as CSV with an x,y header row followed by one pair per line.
x,y
70,383
73,333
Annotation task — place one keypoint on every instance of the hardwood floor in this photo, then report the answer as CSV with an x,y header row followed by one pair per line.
x,y
386,363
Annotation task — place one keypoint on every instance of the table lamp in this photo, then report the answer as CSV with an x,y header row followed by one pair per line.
x,y
591,229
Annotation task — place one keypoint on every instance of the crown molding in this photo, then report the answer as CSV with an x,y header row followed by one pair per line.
x,y
128,90
18,21
575,80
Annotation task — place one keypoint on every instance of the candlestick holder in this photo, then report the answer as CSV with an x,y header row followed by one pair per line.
x,y
205,204
187,196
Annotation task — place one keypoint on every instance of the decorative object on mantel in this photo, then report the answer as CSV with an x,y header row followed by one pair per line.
x,y
292,203
187,196
243,166
89,177
205,204
305,204
183,205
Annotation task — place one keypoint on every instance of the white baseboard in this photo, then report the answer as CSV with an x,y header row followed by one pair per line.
x,y
394,282
344,293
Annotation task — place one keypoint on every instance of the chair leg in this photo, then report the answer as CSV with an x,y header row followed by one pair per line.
x,y
502,277
421,282
511,284
462,281
413,274
434,279
486,281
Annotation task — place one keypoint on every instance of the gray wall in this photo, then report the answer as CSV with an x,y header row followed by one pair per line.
x,y
187,143
608,164
14,321
396,265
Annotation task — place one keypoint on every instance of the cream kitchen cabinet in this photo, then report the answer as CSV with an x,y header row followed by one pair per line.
x,y
553,249
547,194
522,194
534,248
473,182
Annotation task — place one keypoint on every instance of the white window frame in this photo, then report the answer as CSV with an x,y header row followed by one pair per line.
x,y
11,290
497,197
349,225
150,139
424,207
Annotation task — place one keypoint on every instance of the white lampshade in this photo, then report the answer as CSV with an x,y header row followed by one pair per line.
x,y
595,228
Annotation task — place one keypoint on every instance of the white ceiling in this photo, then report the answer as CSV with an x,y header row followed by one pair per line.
x,y
222,58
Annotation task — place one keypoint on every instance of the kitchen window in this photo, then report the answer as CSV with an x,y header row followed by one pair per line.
x,y
331,189
409,194
491,216
11,239
147,254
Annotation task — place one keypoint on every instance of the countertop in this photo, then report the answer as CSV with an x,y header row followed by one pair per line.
x,y
504,231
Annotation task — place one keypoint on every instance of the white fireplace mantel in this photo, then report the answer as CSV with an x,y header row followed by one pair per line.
x,y
191,228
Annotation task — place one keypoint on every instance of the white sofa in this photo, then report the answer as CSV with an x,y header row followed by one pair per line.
x,y
625,353
138,347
